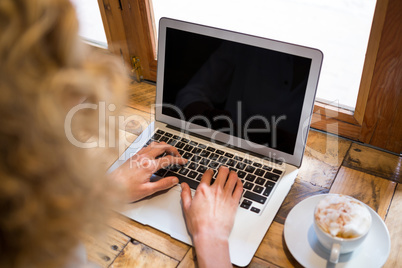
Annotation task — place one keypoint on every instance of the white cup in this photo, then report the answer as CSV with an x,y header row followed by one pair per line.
x,y
335,243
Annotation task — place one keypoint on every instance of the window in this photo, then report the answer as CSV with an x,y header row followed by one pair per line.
x,y
338,28
90,22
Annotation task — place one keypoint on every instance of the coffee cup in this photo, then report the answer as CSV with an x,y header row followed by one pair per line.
x,y
341,224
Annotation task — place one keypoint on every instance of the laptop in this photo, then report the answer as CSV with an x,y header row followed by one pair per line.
x,y
227,98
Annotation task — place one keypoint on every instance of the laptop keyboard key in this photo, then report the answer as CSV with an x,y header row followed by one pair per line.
x,y
214,165
193,143
172,142
268,188
249,169
184,171
156,136
247,161
258,189
258,165
192,166
246,204
202,146
277,171
222,160
241,174
192,174
220,152
199,177
254,209
187,155
204,162
205,153
260,181
231,163
240,165
196,158
229,155
201,169
250,177
267,191
180,145
196,150
188,148
248,185
267,168
214,156
164,139
238,158
271,176
259,172
192,183
255,197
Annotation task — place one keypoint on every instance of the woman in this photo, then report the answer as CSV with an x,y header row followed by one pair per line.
x,y
51,190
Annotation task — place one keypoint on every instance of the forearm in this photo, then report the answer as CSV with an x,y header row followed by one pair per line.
x,y
212,251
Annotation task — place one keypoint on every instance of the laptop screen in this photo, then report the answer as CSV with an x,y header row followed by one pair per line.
x,y
247,91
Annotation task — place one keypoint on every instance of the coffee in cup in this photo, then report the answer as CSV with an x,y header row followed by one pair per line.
x,y
341,224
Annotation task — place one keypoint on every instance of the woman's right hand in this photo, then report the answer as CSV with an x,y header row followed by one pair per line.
x,y
210,215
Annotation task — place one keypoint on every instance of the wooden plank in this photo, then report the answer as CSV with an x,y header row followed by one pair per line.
x,y
331,111
370,59
150,237
190,260
381,118
134,121
114,28
259,263
139,33
139,255
142,96
104,248
299,191
374,191
322,158
374,162
334,126
393,222
273,248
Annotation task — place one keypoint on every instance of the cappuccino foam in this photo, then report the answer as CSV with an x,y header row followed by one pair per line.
x,y
342,216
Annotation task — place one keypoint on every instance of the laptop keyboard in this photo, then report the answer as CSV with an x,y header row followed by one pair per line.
x,y
258,179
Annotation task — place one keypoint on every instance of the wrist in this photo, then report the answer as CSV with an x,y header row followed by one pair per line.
x,y
212,250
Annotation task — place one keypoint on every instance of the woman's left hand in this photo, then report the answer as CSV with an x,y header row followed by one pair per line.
x,y
136,172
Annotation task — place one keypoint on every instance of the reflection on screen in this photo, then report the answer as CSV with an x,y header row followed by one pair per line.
x,y
246,91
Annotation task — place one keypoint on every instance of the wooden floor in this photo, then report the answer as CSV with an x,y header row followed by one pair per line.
x,y
331,164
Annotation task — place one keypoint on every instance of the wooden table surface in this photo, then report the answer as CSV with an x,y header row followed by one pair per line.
x,y
330,165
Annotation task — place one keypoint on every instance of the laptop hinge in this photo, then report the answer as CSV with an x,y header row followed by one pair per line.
x,y
227,145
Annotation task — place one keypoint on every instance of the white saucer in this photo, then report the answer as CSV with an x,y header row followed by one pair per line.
x,y
305,248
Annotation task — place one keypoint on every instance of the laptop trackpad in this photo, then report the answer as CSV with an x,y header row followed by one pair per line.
x,y
163,211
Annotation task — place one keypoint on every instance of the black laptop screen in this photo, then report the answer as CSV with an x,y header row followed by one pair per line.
x,y
250,92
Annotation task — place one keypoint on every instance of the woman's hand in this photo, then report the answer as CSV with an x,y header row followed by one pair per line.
x,y
210,215
134,175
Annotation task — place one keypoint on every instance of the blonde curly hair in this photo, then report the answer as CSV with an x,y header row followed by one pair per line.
x,y
50,190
